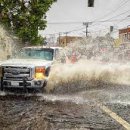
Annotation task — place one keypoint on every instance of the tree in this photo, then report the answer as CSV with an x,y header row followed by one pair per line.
x,y
25,18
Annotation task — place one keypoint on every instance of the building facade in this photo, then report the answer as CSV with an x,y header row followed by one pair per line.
x,y
65,40
124,35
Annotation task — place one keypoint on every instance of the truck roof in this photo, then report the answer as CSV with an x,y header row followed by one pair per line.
x,y
40,47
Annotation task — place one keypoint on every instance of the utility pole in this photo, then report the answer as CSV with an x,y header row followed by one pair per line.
x,y
66,37
59,38
86,25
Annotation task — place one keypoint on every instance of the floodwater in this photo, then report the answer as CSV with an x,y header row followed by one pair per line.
x,y
67,110
72,104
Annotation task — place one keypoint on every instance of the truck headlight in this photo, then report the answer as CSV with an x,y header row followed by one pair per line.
x,y
40,72
1,71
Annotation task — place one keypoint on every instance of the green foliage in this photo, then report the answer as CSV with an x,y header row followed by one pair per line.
x,y
25,18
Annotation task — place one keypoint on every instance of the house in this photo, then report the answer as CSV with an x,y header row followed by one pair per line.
x,y
65,40
124,35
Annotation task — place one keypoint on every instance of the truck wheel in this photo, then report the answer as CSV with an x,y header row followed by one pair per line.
x,y
1,88
1,85
45,83
47,72
42,89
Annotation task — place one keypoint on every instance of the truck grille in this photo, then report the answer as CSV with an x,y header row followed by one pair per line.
x,y
16,73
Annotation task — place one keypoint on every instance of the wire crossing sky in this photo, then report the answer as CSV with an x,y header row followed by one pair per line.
x,y
69,15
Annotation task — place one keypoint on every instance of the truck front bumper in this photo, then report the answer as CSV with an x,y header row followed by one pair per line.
x,y
22,84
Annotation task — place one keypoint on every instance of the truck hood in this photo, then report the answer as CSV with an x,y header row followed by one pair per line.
x,y
27,62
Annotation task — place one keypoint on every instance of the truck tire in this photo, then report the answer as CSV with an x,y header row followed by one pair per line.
x,y
42,89
1,85
47,71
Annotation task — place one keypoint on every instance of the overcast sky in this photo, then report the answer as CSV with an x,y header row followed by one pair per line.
x,y
69,15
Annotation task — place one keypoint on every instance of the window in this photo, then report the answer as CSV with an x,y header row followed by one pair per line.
x,y
125,38
44,53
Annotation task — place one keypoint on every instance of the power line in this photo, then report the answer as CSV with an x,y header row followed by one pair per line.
x,y
117,15
97,20
68,22
79,29
122,20
121,5
82,28
80,22
110,19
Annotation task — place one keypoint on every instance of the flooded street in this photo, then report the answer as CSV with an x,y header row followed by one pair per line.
x,y
64,65
66,112
95,97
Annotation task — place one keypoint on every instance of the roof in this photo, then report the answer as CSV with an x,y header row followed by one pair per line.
x,y
124,30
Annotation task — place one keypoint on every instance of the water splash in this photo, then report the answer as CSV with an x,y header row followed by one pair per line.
x,y
8,44
63,98
91,70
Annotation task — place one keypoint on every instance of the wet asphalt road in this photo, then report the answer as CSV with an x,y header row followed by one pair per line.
x,y
66,112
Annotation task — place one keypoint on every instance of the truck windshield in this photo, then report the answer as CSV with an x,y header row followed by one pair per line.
x,y
44,53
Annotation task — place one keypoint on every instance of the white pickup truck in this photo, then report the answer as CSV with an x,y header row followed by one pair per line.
x,y
29,68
